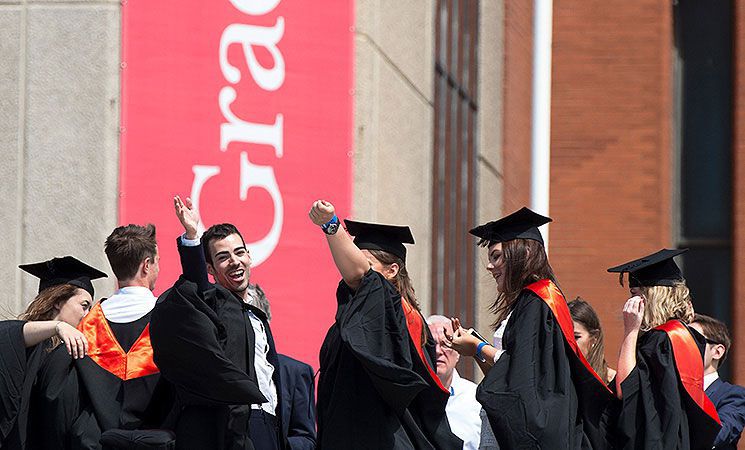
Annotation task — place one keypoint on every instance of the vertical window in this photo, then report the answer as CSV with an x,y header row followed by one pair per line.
x,y
703,67
455,116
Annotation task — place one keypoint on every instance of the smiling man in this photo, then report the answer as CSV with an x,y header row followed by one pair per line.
x,y
462,408
243,329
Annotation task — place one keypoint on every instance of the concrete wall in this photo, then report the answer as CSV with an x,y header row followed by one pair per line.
x,y
394,70
59,112
394,64
490,144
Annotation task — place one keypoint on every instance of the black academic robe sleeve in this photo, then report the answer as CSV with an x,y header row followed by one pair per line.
x,y
186,339
656,412
298,403
12,374
529,395
368,383
59,417
373,328
193,264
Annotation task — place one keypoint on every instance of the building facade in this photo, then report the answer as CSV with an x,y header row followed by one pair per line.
x,y
646,141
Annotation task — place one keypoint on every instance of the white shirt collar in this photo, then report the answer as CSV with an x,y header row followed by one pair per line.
x,y
455,382
128,304
134,290
710,378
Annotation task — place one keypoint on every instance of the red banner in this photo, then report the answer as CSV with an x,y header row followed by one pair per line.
x,y
245,106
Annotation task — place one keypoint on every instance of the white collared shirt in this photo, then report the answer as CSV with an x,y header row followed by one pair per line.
x,y
710,378
462,410
264,369
128,304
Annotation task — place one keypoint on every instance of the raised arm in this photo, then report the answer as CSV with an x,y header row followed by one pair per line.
x,y
351,262
633,312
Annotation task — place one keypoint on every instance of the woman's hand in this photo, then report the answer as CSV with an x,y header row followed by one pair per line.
x,y
321,212
633,314
75,341
462,340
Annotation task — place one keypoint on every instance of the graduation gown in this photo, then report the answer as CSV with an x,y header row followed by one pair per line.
x,y
201,345
232,316
18,371
373,390
664,406
541,393
116,386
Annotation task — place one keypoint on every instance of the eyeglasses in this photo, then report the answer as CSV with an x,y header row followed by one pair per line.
x,y
709,341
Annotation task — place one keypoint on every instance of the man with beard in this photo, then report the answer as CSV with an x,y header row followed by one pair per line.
x,y
235,330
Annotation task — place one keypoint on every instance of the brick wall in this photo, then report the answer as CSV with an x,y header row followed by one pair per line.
x,y
738,306
611,147
518,64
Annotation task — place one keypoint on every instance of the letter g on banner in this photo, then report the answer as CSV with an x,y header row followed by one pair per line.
x,y
251,175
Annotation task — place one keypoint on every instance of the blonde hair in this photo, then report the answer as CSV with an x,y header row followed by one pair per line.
x,y
666,302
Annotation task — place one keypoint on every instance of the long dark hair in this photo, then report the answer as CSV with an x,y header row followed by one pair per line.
x,y
401,282
525,263
403,285
43,307
583,313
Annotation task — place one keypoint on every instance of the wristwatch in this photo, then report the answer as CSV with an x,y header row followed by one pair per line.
x,y
332,226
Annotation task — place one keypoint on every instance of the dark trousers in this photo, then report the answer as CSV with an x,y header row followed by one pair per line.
x,y
264,430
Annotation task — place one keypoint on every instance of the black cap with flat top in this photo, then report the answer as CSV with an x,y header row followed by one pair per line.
x,y
657,269
376,236
64,270
521,224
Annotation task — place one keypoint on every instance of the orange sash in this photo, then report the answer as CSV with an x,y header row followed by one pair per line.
x,y
552,296
415,324
104,349
690,365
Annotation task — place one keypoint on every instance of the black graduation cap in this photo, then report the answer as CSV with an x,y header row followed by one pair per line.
x,y
657,269
64,270
521,224
376,236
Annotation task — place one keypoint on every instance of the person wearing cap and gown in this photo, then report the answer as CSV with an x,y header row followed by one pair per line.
x,y
660,377
539,391
65,296
377,386
114,396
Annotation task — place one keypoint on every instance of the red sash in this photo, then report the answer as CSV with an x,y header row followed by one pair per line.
x,y
551,295
104,349
690,365
415,325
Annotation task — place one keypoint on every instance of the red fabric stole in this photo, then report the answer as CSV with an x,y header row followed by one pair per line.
x,y
552,296
690,365
104,349
415,324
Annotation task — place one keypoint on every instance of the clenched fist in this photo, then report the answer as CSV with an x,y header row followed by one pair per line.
x,y
321,212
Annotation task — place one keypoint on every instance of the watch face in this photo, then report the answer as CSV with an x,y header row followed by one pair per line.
x,y
332,228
